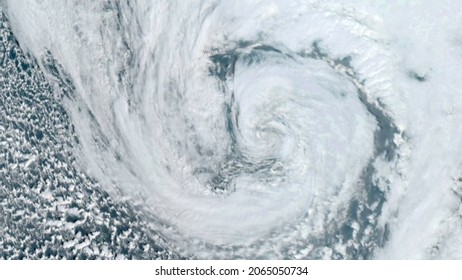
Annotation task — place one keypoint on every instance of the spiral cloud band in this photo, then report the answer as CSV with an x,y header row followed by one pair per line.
x,y
263,129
